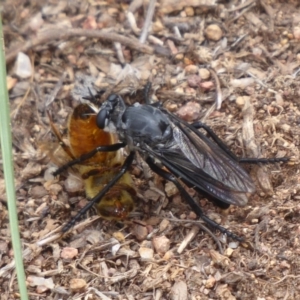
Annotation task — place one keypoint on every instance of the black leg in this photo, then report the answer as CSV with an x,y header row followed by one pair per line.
x,y
216,139
94,98
148,101
127,163
108,148
263,160
147,90
193,204
221,144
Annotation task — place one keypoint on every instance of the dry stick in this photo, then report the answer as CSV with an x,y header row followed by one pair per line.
x,y
55,91
248,130
190,236
202,226
56,233
252,147
285,277
271,13
149,16
15,112
50,35
219,98
118,48
243,5
240,14
99,294
132,23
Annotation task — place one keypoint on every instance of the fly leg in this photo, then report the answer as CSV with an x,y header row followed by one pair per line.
x,y
93,96
127,163
56,132
221,144
193,204
108,148
147,90
147,98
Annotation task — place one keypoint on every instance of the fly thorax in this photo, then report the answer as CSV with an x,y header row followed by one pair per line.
x,y
146,124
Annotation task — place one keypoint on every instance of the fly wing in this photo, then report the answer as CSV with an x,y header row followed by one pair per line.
x,y
206,166
192,175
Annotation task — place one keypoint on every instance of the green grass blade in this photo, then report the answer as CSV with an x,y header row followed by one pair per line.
x,y
6,146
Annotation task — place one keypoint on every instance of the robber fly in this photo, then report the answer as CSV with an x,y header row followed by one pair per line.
x,y
162,139
98,170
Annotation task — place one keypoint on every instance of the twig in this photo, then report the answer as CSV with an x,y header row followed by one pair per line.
x,y
241,13
285,277
50,35
203,227
56,89
15,112
219,98
10,266
271,13
132,22
258,23
57,234
193,232
148,21
99,294
248,130
252,148
120,55
241,6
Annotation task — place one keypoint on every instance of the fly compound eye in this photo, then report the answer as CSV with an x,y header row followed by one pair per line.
x,y
101,118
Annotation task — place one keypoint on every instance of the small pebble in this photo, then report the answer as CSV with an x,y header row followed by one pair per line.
x,y
213,32
228,252
43,284
77,284
38,192
189,11
242,82
168,255
189,112
194,80
206,85
210,282
170,189
10,82
68,253
36,22
140,232
240,101
191,69
296,32
161,244
23,67
204,74
55,189
164,225
146,253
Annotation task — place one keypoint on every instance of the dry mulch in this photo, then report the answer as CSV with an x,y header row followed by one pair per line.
x,y
233,64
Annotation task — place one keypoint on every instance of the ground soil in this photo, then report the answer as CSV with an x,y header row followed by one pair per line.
x,y
232,64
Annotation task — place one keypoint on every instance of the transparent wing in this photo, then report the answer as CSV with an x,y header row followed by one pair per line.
x,y
193,176
203,164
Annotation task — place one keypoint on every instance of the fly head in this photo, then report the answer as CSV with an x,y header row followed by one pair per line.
x,y
110,113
